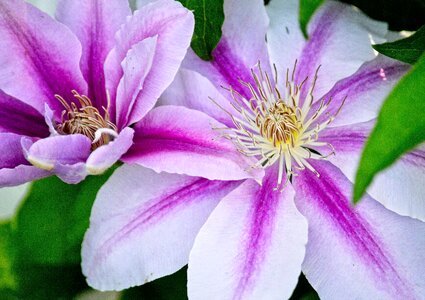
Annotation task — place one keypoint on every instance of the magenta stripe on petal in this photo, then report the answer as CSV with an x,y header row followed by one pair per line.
x,y
157,209
330,196
20,118
259,233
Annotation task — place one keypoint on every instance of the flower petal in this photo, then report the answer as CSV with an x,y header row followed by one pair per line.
x,y
372,252
241,47
39,58
64,155
95,23
20,118
285,40
11,154
251,247
136,66
340,39
363,92
143,225
178,140
192,90
399,188
104,157
21,174
173,25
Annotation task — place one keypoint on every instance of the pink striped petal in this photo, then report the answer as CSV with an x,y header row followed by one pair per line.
x,y
399,188
363,253
340,39
143,225
251,247
11,153
173,25
95,23
363,92
192,90
178,140
39,58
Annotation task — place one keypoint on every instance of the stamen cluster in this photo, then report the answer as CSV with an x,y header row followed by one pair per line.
x,y
278,128
86,120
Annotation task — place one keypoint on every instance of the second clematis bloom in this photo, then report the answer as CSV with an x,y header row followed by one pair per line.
x,y
71,87
301,111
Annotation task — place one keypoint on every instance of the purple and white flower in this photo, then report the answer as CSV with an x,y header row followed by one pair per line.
x,y
304,128
71,87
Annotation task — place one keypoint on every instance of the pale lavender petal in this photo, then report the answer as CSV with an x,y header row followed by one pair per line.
x,y
340,39
11,153
21,174
241,47
95,23
285,40
143,225
363,92
192,90
178,140
39,58
20,118
105,156
53,151
251,247
136,66
364,253
173,25
399,188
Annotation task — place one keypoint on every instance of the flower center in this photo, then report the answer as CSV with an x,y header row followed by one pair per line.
x,y
278,128
87,120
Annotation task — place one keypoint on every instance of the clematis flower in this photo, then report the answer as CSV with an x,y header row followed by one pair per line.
x,y
70,88
302,111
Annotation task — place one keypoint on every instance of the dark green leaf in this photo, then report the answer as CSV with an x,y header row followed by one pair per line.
x,y
307,9
171,287
407,50
400,127
209,18
54,217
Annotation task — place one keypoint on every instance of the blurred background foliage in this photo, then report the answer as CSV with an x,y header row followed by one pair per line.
x,y
40,244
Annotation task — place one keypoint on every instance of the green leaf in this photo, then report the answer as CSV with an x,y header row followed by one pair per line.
x,y
7,254
54,217
307,9
172,287
407,50
400,127
209,17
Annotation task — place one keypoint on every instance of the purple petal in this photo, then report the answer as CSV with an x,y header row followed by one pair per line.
x,y
39,58
399,188
21,174
20,118
104,157
95,23
63,155
11,154
363,253
143,225
136,66
178,140
192,90
364,91
340,39
251,247
173,26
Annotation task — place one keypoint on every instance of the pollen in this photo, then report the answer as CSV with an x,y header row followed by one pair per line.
x,y
81,117
278,128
